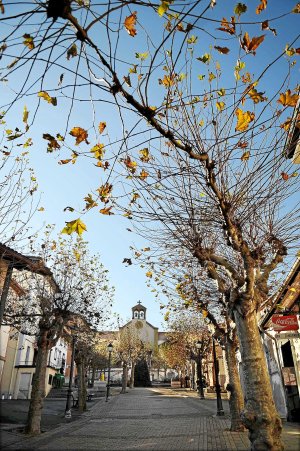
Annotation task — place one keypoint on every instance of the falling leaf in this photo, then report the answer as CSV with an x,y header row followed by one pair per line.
x,y
220,106
251,45
244,119
80,134
143,175
76,226
144,155
240,8
228,27
28,41
285,176
288,99
90,202
102,127
53,144
265,26
130,23
106,211
223,50
44,95
261,6
72,51
245,156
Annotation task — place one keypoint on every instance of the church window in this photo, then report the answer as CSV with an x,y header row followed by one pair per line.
x,y
136,315
142,315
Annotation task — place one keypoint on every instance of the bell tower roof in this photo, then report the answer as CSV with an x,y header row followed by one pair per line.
x,y
138,311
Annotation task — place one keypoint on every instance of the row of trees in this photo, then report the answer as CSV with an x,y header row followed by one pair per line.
x,y
201,157
76,296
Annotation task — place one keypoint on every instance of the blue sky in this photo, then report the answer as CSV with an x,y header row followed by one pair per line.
x,y
64,185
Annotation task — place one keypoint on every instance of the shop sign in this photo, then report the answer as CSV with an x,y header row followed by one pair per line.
x,y
285,322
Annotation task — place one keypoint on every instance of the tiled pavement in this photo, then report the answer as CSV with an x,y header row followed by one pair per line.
x,y
149,419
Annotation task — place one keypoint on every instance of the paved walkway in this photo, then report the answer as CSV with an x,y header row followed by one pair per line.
x,y
149,419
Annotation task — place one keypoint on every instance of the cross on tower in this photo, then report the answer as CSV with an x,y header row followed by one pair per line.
x,y
139,302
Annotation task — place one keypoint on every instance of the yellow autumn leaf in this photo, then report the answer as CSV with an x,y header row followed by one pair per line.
x,y
261,6
25,114
98,151
80,134
288,99
243,119
201,123
131,165
130,23
245,156
167,81
144,155
167,315
163,8
44,95
220,106
256,96
211,76
149,274
65,161
102,127
41,209
143,175
28,41
76,226
105,192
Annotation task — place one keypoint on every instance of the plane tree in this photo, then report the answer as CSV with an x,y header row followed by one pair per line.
x,y
198,86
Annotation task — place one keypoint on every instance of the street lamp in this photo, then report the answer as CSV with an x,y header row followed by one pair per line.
x,y
199,370
68,413
109,349
220,411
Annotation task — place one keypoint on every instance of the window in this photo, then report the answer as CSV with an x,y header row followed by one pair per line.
x,y
27,355
50,379
142,315
136,314
55,354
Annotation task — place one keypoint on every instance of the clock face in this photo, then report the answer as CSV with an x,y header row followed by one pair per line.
x,y
139,324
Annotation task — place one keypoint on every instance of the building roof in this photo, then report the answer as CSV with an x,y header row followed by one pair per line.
x,y
139,307
21,262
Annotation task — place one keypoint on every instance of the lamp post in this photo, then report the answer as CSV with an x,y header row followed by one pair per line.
x,y
199,369
68,413
220,411
109,348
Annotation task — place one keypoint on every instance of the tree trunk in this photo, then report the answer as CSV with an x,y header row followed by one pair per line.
x,y
236,399
131,385
260,415
93,375
33,425
82,392
124,378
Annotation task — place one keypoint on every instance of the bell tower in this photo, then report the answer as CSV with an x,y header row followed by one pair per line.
x,y
139,311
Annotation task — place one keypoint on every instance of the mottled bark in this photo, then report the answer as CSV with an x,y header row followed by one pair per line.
x,y
33,425
236,399
82,392
124,378
260,415
93,375
131,384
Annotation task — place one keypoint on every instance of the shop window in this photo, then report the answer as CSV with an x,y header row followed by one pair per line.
x,y
50,379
